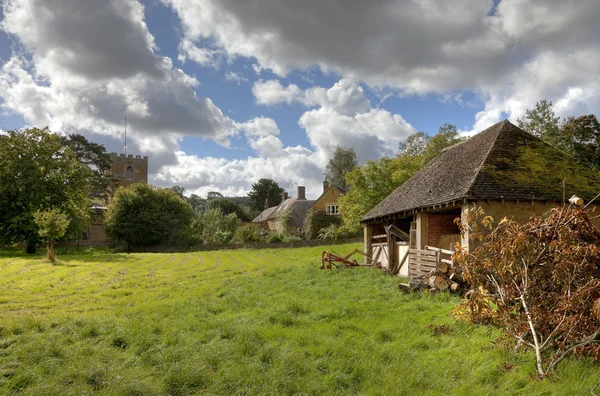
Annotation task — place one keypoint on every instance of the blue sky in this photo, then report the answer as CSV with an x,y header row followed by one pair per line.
x,y
221,93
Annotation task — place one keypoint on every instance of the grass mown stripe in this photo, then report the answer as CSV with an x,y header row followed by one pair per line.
x,y
244,322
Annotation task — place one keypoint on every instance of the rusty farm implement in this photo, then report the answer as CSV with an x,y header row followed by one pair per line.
x,y
330,259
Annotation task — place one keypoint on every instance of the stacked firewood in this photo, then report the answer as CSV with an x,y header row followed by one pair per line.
x,y
444,277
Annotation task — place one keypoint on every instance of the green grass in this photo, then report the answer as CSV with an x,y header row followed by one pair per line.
x,y
244,322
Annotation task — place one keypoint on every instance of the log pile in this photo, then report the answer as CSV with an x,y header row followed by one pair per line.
x,y
445,277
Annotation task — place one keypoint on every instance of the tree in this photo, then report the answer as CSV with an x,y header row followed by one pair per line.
x,y
343,161
53,224
581,138
180,191
264,189
428,147
447,136
414,145
541,121
38,172
95,157
213,195
145,215
228,206
371,183
198,204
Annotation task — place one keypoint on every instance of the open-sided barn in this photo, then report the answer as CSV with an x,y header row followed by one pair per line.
x,y
507,171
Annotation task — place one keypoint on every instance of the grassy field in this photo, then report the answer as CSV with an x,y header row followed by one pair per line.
x,y
244,322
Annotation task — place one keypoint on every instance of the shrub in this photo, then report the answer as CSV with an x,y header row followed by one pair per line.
x,y
144,215
540,281
315,221
274,237
291,238
214,227
328,233
248,233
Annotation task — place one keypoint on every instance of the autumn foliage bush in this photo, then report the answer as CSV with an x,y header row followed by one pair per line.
x,y
540,281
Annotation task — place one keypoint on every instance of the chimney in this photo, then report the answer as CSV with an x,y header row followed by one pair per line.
x,y
266,203
302,192
284,196
325,185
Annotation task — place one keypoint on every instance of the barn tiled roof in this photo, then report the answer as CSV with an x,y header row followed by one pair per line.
x,y
501,162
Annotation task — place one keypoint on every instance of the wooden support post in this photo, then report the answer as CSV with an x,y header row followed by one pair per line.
x,y
367,243
391,243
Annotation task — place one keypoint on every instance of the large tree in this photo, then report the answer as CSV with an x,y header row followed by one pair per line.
x,y
541,121
371,183
261,191
375,180
145,215
95,157
581,138
227,206
39,172
428,147
343,162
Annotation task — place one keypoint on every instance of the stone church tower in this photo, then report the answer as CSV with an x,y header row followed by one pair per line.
x,y
127,169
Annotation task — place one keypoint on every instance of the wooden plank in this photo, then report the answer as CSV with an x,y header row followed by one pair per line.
x,y
423,252
379,244
402,263
426,258
436,249
422,260
424,263
379,236
428,267
447,261
376,256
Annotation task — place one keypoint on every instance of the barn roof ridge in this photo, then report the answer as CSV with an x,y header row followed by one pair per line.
x,y
501,162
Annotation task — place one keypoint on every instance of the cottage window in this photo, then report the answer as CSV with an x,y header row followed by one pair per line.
x,y
332,209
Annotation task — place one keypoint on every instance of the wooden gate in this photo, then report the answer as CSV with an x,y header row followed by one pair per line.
x,y
423,261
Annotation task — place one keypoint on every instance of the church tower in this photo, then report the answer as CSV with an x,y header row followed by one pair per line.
x,y
129,169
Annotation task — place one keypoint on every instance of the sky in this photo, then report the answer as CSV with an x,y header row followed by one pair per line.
x,y
220,93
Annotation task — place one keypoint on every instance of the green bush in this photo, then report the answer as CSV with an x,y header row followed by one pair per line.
x,y
315,221
274,237
144,215
329,233
214,227
291,238
248,233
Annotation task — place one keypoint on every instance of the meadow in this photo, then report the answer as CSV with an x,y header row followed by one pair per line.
x,y
245,322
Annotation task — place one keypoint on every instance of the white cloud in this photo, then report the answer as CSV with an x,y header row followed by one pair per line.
x,y
86,65
343,117
271,92
296,167
499,50
202,56
235,77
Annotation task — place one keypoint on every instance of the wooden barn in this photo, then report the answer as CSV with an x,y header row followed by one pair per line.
x,y
505,170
